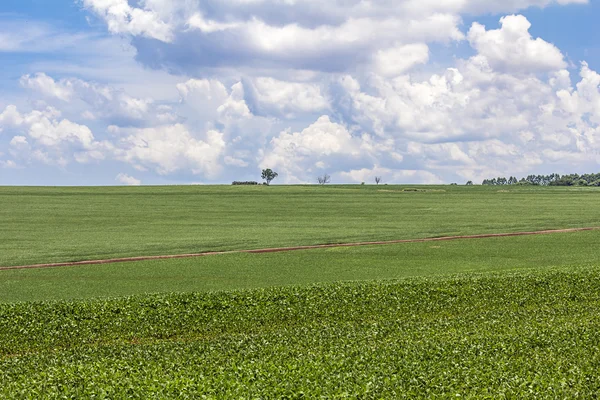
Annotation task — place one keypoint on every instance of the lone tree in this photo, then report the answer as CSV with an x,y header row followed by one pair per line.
x,y
323,179
268,175
377,179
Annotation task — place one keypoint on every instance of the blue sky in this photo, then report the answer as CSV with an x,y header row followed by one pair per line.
x,y
110,92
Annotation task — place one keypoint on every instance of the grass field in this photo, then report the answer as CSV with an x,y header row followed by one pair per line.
x,y
510,317
42,225
243,271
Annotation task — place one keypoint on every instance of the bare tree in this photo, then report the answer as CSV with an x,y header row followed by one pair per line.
x,y
324,179
377,179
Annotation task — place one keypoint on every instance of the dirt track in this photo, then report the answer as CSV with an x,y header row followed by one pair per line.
x,y
282,249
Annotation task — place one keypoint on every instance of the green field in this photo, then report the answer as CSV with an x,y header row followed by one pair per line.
x,y
244,271
42,225
519,335
509,317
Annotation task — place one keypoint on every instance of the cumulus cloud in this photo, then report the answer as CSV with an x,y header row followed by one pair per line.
x,y
274,97
128,180
10,116
46,137
324,143
45,128
171,148
334,46
198,21
19,141
8,164
391,175
47,86
120,17
104,101
202,97
337,36
397,60
512,48
307,88
483,123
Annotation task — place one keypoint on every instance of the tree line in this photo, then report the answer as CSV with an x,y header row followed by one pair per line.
x,y
547,180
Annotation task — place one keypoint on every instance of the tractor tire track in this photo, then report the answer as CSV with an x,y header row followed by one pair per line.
x,y
295,248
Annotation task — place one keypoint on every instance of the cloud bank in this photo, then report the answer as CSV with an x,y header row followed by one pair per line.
x,y
305,88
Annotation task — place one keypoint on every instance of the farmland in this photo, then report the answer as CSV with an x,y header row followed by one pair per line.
x,y
514,335
513,317
41,225
246,271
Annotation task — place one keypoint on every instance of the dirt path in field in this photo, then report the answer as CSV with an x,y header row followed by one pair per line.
x,y
282,249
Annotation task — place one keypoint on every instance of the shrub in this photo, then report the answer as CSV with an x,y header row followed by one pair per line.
x,y
244,183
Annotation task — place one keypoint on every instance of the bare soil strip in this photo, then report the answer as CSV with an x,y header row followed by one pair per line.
x,y
282,249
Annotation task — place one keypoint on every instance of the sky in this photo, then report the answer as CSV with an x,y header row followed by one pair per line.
x,y
130,92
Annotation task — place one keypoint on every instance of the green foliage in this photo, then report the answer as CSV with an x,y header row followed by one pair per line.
x,y
47,224
268,175
247,183
519,335
548,180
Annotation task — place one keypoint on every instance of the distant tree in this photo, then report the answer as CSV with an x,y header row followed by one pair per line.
x,y
323,179
268,175
377,179
470,183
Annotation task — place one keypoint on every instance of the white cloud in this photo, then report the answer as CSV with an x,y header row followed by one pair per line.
x,y
47,86
397,176
253,84
397,60
474,121
332,45
50,133
201,98
46,129
319,144
10,116
235,106
128,180
120,17
236,162
511,48
47,138
171,148
209,89
197,21
275,97
106,101
355,34
8,164
308,34
19,141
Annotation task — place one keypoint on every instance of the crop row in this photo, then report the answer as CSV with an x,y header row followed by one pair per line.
x,y
519,335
